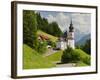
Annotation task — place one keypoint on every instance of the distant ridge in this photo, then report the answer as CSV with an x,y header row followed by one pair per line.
x,y
83,39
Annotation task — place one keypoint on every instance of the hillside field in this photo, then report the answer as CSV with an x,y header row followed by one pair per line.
x,y
52,38
33,59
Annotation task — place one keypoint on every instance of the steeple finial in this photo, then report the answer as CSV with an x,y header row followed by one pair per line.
x,y
71,21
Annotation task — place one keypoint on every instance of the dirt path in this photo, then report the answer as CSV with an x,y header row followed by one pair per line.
x,y
59,64
66,65
49,52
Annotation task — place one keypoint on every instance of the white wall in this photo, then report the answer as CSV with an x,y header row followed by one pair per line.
x,y
71,43
5,41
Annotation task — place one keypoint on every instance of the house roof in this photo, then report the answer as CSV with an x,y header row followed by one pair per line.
x,y
43,37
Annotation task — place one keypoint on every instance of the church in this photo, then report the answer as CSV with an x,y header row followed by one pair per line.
x,y
67,39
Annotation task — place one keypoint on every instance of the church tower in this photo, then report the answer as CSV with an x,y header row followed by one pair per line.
x,y
70,38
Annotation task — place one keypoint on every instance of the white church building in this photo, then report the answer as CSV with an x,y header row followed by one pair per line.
x,y
67,39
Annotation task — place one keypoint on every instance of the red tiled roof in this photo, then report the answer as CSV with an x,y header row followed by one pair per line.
x,y
43,37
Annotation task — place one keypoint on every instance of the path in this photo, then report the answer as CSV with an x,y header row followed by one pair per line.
x,y
59,64
49,52
66,65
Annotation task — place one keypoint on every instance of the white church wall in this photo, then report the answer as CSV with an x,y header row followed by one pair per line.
x,y
58,45
71,43
62,45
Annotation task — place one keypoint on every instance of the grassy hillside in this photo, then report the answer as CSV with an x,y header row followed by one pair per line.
x,y
81,53
33,60
53,38
55,57
84,57
80,63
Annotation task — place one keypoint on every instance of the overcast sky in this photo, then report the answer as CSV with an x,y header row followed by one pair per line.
x,y
81,21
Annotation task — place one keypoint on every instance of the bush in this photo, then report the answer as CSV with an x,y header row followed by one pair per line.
x,y
53,44
42,47
69,56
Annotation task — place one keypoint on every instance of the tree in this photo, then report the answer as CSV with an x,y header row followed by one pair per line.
x,y
30,28
39,21
54,29
87,47
69,55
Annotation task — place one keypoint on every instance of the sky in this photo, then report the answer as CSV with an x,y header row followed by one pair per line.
x,y
81,21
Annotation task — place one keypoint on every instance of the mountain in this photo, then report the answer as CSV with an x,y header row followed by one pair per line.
x,y
82,40
78,34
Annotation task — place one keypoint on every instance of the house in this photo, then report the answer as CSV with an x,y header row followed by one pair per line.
x,y
67,39
42,37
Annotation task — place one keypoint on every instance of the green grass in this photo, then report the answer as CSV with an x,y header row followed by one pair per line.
x,y
81,53
55,57
84,57
32,59
80,63
52,38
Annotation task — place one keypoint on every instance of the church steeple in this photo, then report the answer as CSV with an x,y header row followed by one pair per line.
x,y
71,28
70,38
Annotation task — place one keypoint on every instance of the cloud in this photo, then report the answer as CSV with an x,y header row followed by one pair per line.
x,y
61,19
81,21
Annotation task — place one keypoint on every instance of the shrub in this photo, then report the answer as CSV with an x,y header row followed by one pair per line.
x,y
66,57
69,56
53,44
42,47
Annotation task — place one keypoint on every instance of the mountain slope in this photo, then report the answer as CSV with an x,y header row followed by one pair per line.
x,y
83,39
78,34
